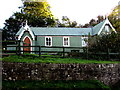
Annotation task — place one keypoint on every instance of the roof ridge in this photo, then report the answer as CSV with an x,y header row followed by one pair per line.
x,y
61,27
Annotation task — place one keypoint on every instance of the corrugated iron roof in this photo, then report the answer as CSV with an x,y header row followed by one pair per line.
x,y
97,27
40,31
60,31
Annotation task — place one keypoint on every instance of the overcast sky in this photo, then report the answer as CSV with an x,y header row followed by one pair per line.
x,y
79,10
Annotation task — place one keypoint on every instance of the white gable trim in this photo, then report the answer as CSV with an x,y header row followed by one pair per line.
x,y
106,22
31,33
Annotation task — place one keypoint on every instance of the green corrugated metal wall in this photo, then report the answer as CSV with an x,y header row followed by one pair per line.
x,y
75,41
58,41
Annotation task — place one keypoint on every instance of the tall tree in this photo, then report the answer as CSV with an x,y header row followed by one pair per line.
x,y
100,18
37,9
38,14
66,22
86,25
73,24
93,22
12,25
114,18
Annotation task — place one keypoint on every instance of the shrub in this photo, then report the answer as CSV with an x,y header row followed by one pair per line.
x,y
111,41
101,44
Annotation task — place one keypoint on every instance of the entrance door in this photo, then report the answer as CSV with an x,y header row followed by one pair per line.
x,y
27,43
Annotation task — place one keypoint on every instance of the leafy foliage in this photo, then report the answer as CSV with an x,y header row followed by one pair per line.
x,y
37,9
114,18
94,22
38,14
100,18
102,43
66,22
12,25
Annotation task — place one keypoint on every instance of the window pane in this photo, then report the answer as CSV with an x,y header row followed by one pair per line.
x,y
49,39
46,43
46,39
65,41
49,43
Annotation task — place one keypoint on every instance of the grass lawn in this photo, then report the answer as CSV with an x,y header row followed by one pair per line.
x,y
9,85
34,59
53,84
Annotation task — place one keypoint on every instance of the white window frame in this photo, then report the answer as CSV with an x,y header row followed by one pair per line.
x,y
46,41
84,44
68,42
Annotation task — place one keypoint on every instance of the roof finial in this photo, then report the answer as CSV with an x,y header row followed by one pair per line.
x,y
26,27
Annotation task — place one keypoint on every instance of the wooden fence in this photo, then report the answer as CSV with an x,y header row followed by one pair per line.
x,y
18,50
74,52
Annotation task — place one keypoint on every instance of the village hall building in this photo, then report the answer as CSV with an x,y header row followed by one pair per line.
x,y
59,36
